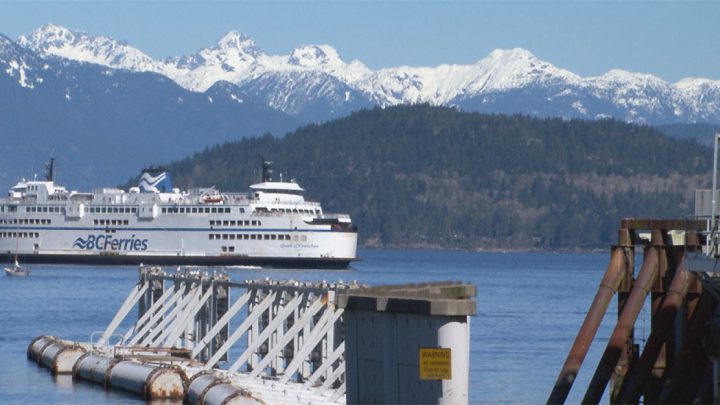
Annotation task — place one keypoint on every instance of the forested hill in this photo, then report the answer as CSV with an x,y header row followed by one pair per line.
x,y
422,176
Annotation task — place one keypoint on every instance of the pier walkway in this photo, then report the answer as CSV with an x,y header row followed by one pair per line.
x,y
201,337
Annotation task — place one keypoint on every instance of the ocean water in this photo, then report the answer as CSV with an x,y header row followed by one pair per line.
x,y
529,309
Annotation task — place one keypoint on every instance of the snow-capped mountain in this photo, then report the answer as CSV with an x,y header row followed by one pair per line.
x,y
103,124
313,82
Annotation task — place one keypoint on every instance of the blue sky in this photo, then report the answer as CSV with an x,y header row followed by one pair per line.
x,y
669,39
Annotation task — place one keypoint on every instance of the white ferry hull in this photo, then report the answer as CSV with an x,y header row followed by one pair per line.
x,y
197,245
271,225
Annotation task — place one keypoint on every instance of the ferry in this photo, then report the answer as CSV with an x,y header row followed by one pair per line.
x,y
271,225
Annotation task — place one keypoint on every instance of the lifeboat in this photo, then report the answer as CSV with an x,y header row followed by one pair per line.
x,y
212,199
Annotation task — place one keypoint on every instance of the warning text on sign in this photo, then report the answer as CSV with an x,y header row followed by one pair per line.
x,y
435,364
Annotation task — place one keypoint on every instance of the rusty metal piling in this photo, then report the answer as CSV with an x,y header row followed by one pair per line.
x,y
618,340
608,286
680,361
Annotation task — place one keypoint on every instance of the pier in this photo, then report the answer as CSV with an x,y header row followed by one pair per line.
x,y
194,334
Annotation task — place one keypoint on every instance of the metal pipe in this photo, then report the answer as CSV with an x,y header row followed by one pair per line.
x,y
608,286
626,321
60,357
714,190
38,345
662,326
228,394
691,360
150,381
94,368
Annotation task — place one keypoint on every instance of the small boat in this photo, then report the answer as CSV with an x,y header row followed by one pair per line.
x,y
16,271
212,199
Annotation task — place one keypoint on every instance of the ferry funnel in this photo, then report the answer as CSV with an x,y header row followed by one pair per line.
x,y
155,180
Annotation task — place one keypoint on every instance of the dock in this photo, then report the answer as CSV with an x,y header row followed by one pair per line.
x,y
196,335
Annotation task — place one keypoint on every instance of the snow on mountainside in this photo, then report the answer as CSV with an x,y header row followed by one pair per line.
x,y
52,39
19,65
314,83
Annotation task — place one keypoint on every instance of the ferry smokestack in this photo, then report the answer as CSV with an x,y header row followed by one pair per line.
x,y
266,170
155,180
50,170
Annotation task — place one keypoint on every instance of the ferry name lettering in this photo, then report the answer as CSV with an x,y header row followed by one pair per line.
x,y
107,242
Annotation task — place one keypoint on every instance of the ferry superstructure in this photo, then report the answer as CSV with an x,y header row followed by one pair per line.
x,y
270,225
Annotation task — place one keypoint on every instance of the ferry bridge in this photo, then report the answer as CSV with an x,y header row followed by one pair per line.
x,y
204,338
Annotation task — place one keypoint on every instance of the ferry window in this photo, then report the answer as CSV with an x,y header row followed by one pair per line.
x,y
303,238
267,237
254,223
231,248
259,223
246,237
232,236
242,210
225,236
225,223
214,210
232,223
252,237
164,210
211,236
194,210
212,223
224,248
273,237
227,210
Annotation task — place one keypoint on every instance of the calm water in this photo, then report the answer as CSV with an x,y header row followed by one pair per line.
x,y
530,306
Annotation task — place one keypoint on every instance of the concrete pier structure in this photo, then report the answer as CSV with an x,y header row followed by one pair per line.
x,y
408,344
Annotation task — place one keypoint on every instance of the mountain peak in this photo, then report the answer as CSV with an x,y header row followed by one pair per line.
x,y
235,40
51,39
49,36
511,54
315,56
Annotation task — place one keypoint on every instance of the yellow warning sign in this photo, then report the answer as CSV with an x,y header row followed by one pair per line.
x,y
435,364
